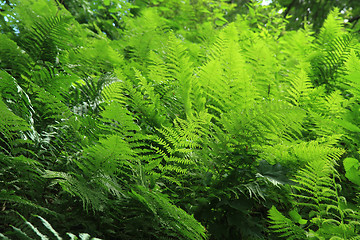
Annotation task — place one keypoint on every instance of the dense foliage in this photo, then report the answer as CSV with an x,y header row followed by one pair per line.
x,y
176,119
316,11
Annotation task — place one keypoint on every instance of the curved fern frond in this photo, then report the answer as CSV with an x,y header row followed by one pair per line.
x,y
49,37
317,192
13,59
43,230
335,46
334,58
285,226
12,130
333,28
353,74
300,88
175,221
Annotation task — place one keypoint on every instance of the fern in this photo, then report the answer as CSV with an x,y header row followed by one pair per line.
x,y
49,36
12,130
352,73
224,77
285,226
175,149
300,89
44,231
335,47
177,222
11,53
318,192
332,28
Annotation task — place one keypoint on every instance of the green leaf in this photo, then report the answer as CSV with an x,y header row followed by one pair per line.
x,y
296,217
113,10
219,22
350,162
107,2
351,166
347,125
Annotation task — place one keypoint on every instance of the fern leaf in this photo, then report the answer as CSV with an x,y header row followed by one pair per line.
x,y
300,88
49,227
285,226
12,130
48,37
332,28
353,73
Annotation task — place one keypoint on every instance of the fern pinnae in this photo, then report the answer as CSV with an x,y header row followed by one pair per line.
x,y
284,225
47,35
300,88
49,227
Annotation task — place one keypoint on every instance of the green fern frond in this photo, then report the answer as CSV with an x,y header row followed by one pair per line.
x,y
146,102
264,67
334,104
333,28
12,130
180,68
144,33
175,148
331,63
317,191
273,121
300,87
96,56
76,185
114,92
118,119
285,226
48,37
43,230
52,107
224,76
314,179
11,197
314,151
300,153
353,73
173,220
13,59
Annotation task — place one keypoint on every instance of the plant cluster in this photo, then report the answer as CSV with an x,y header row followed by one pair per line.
x,y
176,120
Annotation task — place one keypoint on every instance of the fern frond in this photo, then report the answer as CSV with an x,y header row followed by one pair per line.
x,y
225,78
264,67
168,216
118,119
353,74
314,151
49,37
13,60
77,185
316,180
110,155
12,130
300,88
334,104
114,92
146,102
332,28
42,231
285,226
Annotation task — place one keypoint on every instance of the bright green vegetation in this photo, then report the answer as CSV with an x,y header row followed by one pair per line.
x,y
176,120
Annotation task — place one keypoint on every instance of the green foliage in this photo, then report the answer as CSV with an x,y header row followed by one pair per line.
x,y
176,120
28,230
351,166
317,193
305,12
